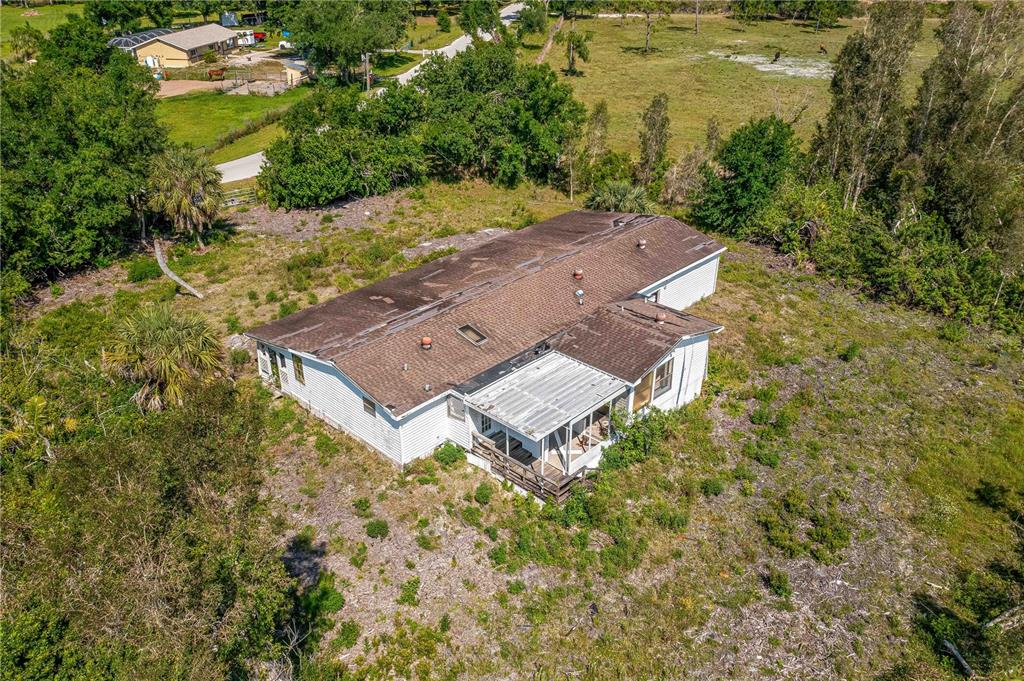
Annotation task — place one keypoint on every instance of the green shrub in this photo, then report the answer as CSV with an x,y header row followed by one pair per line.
x,y
444,624
304,538
444,22
472,515
712,487
450,454
483,493
409,592
348,635
785,518
762,452
516,586
850,352
669,517
272,297
362,507
760,416
358,558
56,290
239,357
233,324
428,542
286,308
492,532
326,447
253,297
377,529
143,269
778,582
953,332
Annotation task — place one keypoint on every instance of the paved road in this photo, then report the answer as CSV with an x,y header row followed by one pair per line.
x,y
241,168
509,13
249,166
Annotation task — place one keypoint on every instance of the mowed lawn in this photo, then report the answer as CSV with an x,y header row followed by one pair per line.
x,y
49,16
701,86
200,119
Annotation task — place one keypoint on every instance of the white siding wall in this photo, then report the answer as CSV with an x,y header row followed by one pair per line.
x,y
687,286
332,396
425,429
690,358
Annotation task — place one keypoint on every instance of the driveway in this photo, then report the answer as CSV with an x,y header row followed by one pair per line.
x,y
241,168
249,166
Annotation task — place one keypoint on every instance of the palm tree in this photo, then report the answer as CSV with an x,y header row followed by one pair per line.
x,y
166,352
619,196
185,187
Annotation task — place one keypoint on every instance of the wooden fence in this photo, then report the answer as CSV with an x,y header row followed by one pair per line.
x,y
548,489
240,197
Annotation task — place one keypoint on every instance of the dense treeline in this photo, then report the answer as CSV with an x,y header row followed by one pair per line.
x,y
79,130
480,114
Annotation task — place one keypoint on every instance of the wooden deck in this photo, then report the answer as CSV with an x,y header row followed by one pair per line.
x,y
521,470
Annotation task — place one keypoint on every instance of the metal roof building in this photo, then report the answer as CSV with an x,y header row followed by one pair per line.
x,y
128,43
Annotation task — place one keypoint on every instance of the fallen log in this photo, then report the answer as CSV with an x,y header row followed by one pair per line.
x,y
162,262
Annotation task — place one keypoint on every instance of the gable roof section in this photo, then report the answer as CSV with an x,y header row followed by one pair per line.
x,y
626,339
518,290
200,36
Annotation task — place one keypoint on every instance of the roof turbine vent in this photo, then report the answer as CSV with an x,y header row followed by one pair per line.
x,y
641,244
661,317
577,273
579,295
426,343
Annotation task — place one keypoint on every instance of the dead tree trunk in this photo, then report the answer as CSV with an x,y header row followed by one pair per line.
x,y
162,262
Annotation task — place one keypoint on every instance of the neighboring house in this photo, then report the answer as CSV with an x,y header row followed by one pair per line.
x,y
129,43
295,71
180,49
518,349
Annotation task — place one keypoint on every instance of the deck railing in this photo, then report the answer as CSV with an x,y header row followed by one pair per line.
x,y
547,488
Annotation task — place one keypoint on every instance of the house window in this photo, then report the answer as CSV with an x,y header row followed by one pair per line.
x,y
369,406
663,378
297,366
642,392
264,368
456,408
472,334
485,424
280,360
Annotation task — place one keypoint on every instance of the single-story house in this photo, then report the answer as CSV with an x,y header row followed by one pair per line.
x,y
180,49
518,349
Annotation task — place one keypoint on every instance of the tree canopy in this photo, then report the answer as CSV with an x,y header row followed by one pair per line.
x,y
79,131
480,113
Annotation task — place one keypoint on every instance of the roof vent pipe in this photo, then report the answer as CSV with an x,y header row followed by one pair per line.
x,y
661,317
426,343
641,244
577,273
427,387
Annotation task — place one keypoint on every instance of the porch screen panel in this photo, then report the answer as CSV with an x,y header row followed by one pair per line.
x,y
642,395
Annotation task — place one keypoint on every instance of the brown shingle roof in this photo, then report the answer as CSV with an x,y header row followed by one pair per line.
x,y
518,290
200,36
626,339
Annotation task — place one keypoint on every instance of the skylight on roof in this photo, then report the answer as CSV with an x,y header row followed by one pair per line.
x,y
473,335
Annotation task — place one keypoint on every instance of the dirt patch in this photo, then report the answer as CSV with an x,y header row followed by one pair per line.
x,y
173,88
788,66
457,241
303,224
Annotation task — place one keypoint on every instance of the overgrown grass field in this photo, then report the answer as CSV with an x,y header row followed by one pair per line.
x,y
701,86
